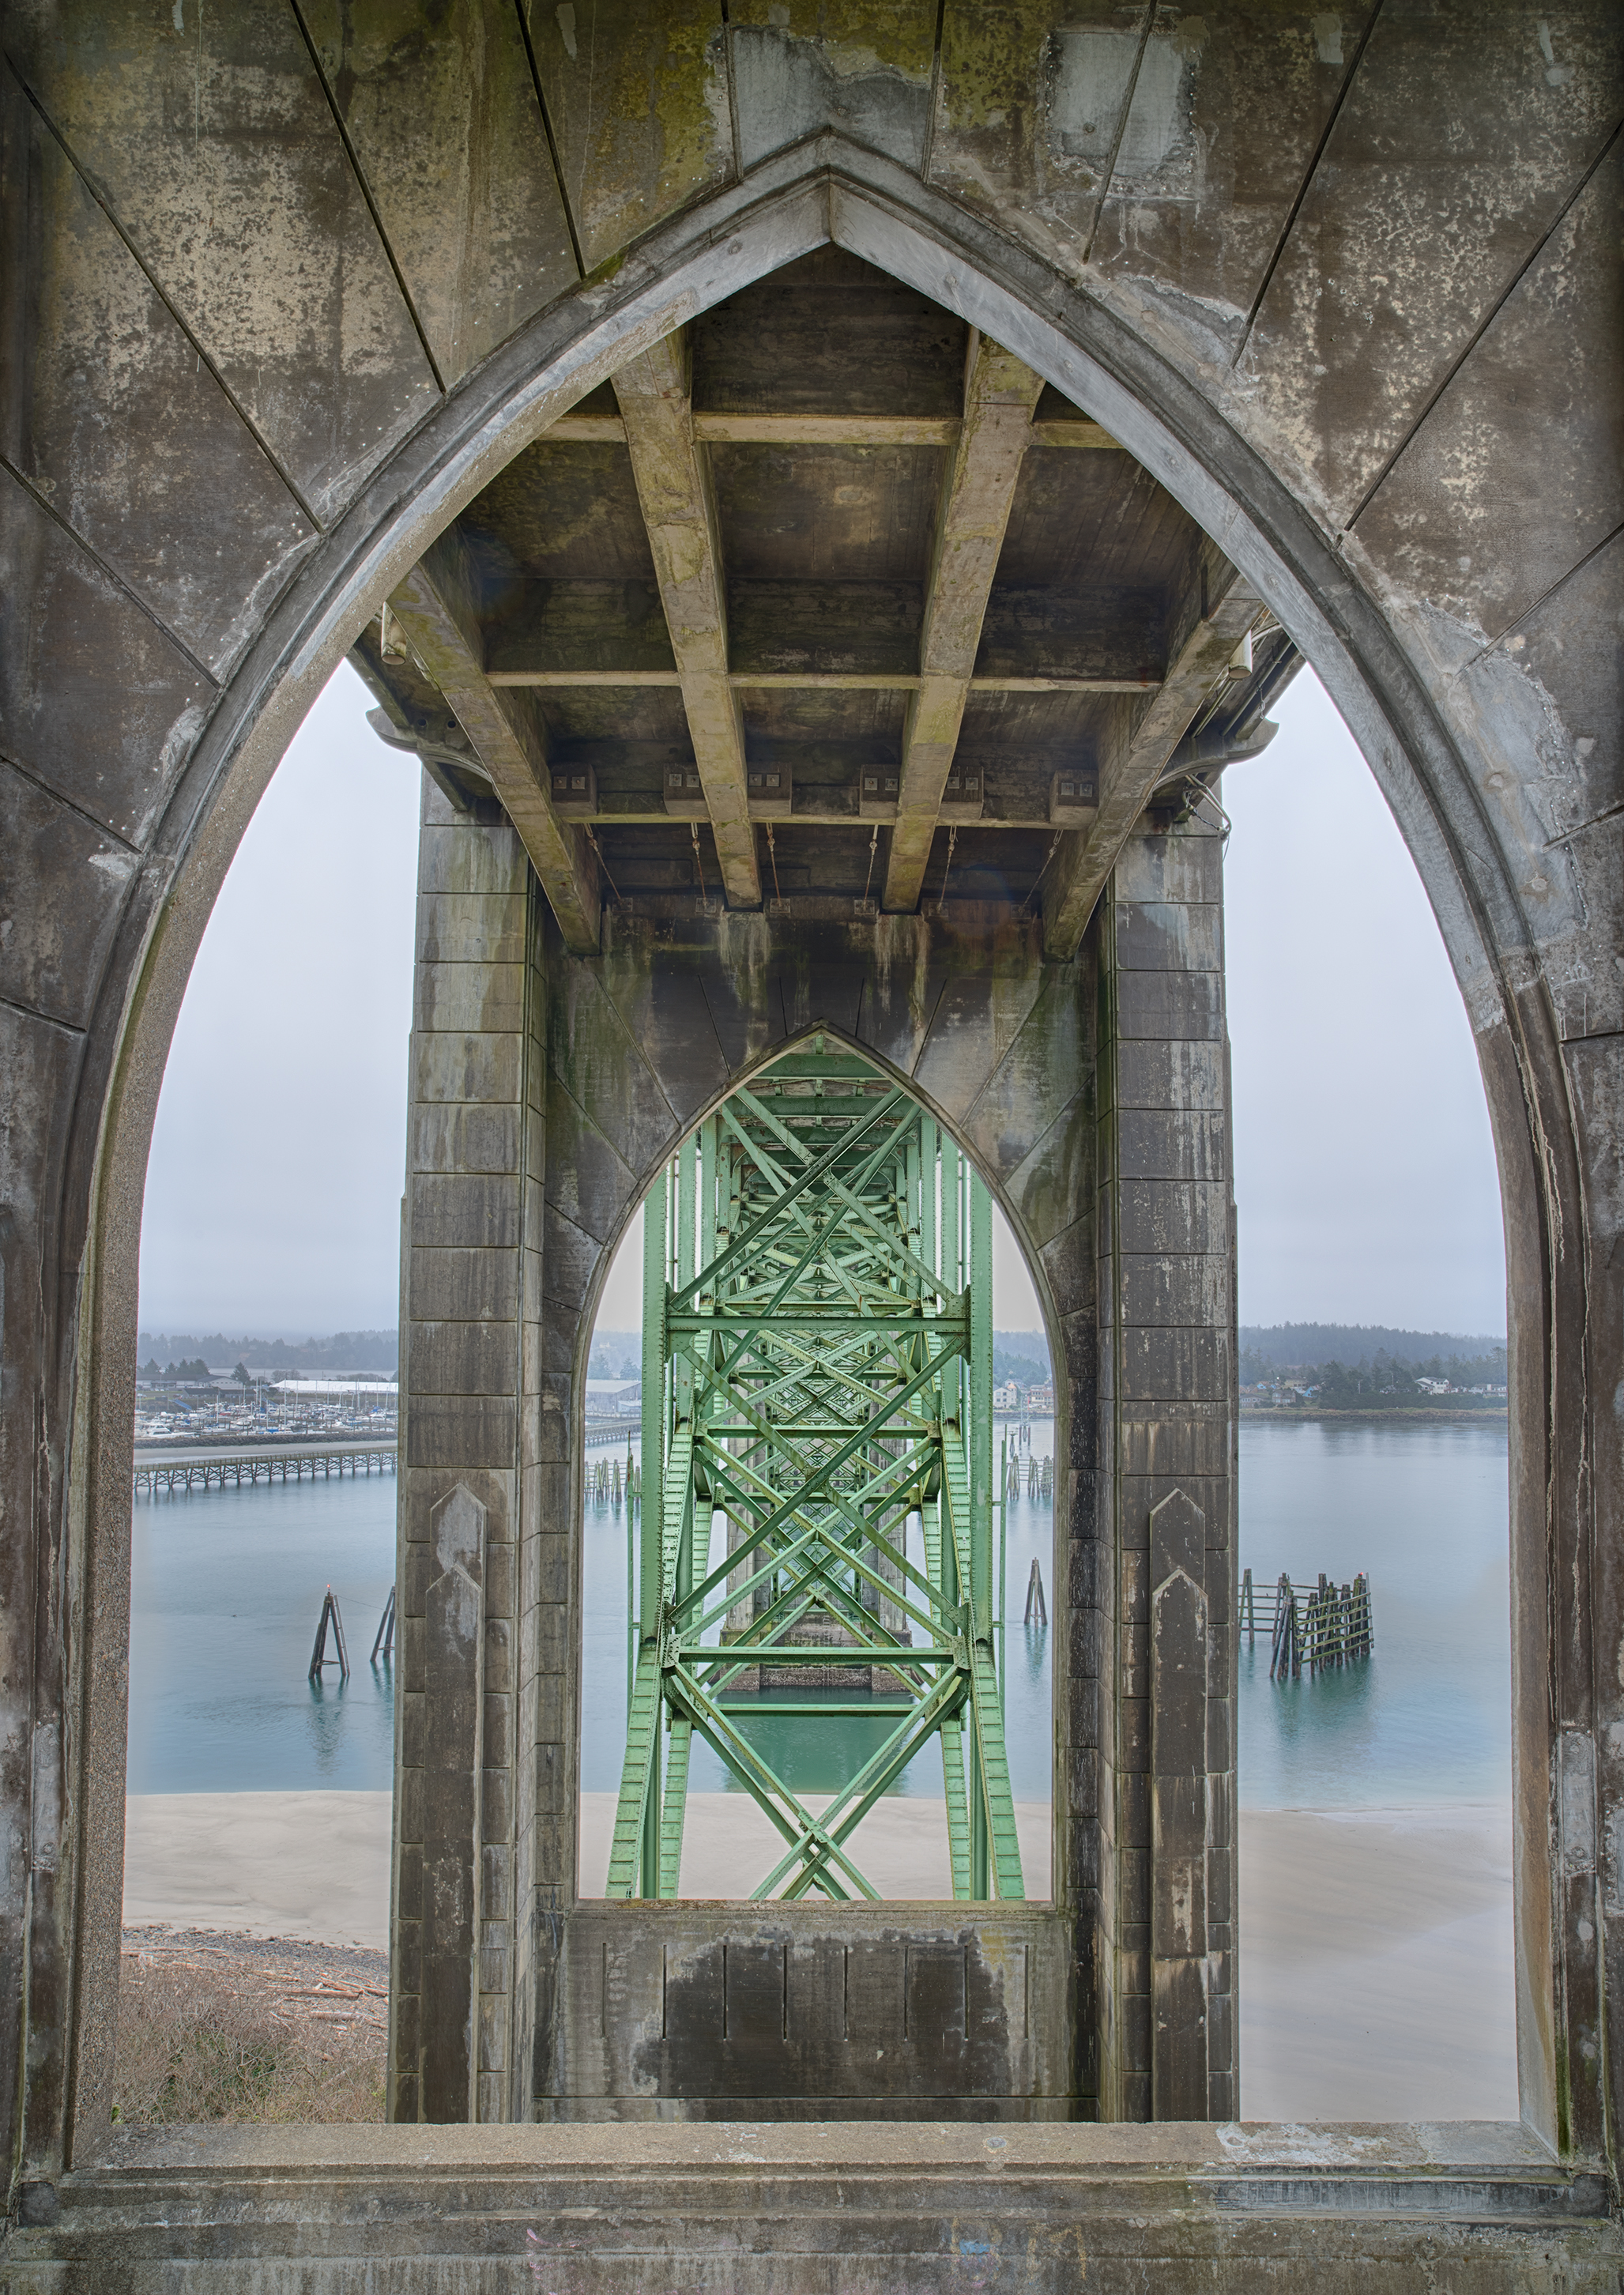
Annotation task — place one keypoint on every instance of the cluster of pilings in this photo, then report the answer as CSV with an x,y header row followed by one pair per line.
x,y
1032,1478
1318,1626
606,1483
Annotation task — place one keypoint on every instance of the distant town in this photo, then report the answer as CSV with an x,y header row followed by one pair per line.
x,y
214,1388
255,1391
1317,1369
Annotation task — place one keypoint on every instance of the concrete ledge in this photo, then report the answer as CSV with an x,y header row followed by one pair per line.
x,y
817,2207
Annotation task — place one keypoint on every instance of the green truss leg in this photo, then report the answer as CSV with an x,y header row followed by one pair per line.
x,y
678,1747
958,1809
637,1777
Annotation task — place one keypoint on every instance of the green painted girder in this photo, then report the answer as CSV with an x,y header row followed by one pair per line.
x,y
886,1495
862,1708
817,1368
753,1233
642,1752
736,1476
858,1321
997,1801
675,1808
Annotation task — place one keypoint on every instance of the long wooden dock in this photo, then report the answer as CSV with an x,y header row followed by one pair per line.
x,y
202,1469
209,1470
599,1430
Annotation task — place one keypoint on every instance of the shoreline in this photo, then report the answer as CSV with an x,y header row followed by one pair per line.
x,y
1375,1961
1452,1415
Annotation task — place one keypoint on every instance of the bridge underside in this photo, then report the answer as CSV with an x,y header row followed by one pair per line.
x,y
821,672
825,595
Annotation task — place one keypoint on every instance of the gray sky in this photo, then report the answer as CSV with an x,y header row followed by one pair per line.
x,y
274,1189
1365,1174
1364,1169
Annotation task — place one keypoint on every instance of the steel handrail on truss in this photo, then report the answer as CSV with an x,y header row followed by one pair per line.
x,y
817,1373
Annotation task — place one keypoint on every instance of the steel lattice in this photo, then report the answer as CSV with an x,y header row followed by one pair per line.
x,y
818,1367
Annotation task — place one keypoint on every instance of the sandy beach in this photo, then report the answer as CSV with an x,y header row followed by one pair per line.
x,y
311,1866
1376,1962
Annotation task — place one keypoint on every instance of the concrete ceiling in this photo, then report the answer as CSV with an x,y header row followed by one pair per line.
x,y
826,595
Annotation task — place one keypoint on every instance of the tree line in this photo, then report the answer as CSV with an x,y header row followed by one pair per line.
x,y
1384,1382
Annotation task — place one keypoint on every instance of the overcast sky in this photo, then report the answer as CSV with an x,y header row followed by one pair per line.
x,y
1365,1174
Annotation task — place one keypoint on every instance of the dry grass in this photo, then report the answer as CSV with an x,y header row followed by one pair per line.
x,y
231,2031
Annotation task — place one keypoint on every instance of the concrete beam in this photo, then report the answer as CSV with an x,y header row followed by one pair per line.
x,y
436,608
1076,432
714,428
674,487
745,681
1000,392
1128,774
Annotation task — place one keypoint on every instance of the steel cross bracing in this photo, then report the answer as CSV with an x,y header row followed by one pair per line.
x,y
818,1375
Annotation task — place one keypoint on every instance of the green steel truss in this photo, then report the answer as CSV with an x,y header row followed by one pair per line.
x,y
818,1369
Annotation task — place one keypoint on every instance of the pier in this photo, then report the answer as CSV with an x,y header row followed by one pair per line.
x,y
207,1470
597,1431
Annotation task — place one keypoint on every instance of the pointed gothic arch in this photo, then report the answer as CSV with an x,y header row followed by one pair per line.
x,y
1370,653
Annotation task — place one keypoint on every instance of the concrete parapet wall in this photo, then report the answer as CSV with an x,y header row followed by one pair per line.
x,y
1474,2209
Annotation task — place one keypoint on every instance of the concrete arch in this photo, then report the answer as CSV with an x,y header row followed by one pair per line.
x,y
983,1071
1373,661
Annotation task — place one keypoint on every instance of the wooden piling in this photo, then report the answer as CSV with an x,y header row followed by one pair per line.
x,y
1321,1626
383,1641
318,1655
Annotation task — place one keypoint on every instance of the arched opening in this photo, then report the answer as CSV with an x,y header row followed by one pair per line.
x,y
260,1770
1213,475
818,1260
1372,1771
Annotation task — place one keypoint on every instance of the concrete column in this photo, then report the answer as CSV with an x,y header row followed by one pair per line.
x,y
546,1627
454,1690
1166,1484
472,1139
1179,2055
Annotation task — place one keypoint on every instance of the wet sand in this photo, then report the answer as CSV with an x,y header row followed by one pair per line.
x,y
728,1845
303,1866
1375,1965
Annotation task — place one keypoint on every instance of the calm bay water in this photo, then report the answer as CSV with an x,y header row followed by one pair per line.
x,y
225,1590
1423,1511
227,1586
